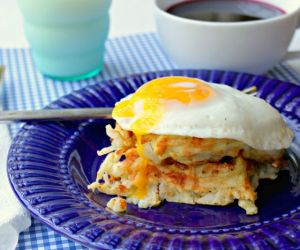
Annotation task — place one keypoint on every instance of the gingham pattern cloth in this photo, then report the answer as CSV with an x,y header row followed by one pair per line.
x,y
26,89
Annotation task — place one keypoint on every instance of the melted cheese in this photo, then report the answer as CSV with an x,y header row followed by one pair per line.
x,y
141,180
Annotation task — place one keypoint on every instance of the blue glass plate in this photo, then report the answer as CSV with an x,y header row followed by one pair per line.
x,y
50,165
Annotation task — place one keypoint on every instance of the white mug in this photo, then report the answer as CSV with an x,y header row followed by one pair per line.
x,y
252,46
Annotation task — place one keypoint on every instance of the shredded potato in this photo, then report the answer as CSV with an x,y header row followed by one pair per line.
x,y
183,169
117,204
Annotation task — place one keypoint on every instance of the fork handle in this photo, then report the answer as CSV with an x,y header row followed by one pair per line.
x,y
55,114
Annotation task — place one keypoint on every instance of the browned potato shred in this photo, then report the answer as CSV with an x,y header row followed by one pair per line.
x,y
184,169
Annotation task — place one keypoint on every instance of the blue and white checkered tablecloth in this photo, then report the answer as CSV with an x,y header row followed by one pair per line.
x,y
25,89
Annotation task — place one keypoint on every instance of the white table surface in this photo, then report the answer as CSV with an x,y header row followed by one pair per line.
x,y
127,17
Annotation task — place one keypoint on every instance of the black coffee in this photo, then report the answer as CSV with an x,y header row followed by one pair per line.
x,y
225,10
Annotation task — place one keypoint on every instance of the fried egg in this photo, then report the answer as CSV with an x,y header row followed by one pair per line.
x,y
185,106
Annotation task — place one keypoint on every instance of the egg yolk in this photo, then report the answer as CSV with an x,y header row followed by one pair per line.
x,y
154,97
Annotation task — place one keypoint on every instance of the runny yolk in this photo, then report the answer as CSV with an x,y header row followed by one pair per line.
x,y
147,106
154,97
140,181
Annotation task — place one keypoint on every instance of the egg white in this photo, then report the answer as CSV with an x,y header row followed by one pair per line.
x,y
229,113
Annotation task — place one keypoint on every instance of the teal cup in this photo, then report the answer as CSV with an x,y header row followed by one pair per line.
x,y
67,37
